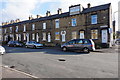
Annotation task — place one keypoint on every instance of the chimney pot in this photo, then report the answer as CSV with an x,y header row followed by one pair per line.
x,y
89,5
59,10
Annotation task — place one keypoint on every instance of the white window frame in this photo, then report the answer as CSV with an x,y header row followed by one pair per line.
x,y
44,25
57,23
5,30
24,28
74,20
16,28
94,19
10,29
33,26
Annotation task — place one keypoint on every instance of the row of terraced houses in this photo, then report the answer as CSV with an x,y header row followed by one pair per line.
x,y
79,22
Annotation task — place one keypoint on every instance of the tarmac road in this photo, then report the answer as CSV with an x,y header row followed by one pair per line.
x,y
44,63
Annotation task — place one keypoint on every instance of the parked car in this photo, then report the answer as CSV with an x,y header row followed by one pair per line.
x,y
15,43
85,45
33,44
2,50
117,41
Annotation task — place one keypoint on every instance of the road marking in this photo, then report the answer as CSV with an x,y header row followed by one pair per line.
x,y
19,72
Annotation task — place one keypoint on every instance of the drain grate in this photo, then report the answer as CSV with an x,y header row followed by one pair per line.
x,y
61,59
12,66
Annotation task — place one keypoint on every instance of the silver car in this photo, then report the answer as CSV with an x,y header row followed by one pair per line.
x,y
85,45
33,44
2,50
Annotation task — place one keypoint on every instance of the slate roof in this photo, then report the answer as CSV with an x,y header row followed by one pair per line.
x,y
66,14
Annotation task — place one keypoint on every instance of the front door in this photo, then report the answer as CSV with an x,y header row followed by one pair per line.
x,y
104,36
49,37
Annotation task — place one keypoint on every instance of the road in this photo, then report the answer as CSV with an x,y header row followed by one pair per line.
x,y
45,63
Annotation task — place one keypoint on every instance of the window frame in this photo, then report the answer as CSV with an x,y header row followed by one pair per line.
x,y
57,25
72,22
94,19
44,25
94,33
57,35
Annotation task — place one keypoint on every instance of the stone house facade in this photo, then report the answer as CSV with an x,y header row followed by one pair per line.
x,y
85,23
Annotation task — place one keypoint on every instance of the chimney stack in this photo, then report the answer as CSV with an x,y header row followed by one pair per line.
x,y
30,17
48,13
89,5
17,20
38,16
59,10
12,21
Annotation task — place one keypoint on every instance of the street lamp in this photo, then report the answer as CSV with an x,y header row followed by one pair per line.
x,y
114,21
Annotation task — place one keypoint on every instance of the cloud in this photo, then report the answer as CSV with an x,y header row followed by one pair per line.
x,y
14,9
17,9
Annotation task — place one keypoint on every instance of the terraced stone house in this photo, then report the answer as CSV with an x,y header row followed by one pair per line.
x,y
79,22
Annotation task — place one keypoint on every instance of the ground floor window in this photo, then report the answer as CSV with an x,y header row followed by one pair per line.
x,y
57,35
82,34
94,34
44,36
74,35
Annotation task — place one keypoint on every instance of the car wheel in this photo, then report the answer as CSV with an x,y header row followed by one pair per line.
x,y
64,49
86,50
26,46
34,47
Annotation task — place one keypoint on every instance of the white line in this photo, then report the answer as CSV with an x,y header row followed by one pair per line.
x,y
20,72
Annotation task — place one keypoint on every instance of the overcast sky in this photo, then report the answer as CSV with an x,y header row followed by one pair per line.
x,y
13,9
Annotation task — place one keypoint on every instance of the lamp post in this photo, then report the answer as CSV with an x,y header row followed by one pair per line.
x,y
114,21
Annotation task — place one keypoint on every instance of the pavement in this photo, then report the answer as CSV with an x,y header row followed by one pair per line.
x,y
13,73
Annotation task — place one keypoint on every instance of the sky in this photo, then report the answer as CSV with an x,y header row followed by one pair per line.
x,y
22,9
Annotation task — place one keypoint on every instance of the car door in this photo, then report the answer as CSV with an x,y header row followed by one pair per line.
x,y
71,44
79,44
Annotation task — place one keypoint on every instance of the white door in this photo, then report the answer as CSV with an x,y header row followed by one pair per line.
x,y
81,34
49,37
63,38
37,36
63,33
104,36
27,37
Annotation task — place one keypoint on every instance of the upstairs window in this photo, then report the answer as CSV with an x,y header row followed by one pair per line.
x,y
33,26
5,30
10,29
44,25
57,23
24,28
94,19
16,28
74,23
